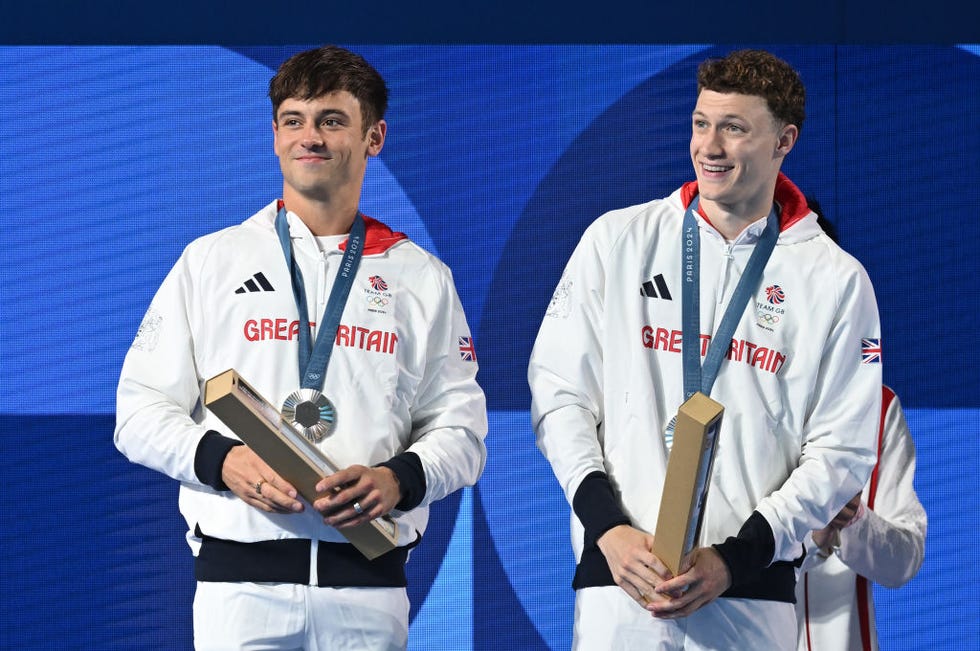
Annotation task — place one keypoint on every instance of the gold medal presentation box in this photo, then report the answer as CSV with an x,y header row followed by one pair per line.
x,y
260,426
686,484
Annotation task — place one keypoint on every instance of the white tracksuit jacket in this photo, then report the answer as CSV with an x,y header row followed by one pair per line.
x,y
801,408
886,545
401,375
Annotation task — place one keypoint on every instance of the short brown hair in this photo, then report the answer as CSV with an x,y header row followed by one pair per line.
x,y
327,69
757,72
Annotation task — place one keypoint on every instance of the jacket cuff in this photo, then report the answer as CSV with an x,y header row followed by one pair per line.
x,y
750,552
597,507
407,467
210,457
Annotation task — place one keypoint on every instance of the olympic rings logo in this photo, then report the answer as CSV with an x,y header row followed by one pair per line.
x,y
377,301
771,319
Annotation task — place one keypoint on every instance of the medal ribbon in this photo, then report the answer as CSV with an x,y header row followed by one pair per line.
x,y
697,378
314,357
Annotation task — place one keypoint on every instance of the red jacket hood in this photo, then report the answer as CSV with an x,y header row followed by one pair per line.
x,y
378,238
787,195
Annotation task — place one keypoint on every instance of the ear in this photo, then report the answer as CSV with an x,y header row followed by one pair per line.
x,y
376,137
787,137
275,136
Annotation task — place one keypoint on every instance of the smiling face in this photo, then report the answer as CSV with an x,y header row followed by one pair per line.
x,y
323,148
737,149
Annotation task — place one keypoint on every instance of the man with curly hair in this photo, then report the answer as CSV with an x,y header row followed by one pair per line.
x,y
731,268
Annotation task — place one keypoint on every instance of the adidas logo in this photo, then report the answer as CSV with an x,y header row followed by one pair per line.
x,y
257,283
655,288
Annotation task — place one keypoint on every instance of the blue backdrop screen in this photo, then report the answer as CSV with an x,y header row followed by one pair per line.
x,y
497,158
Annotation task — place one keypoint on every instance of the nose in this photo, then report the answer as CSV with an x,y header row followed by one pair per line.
x,y
311,136
711,143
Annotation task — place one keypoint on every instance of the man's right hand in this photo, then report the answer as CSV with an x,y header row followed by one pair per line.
x,y
251,479
634,567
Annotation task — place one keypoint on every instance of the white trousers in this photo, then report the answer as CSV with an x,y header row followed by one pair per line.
x,y
607,619
283,616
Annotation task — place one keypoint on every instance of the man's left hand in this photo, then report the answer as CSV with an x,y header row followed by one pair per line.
x,y
704,576
829,536
356,495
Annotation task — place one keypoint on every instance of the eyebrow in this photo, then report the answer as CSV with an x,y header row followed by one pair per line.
x,y
319,116
726,116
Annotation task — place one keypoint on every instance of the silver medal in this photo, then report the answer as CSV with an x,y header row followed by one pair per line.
x,y
311,413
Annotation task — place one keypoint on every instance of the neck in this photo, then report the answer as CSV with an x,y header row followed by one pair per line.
x,y
731,219
322,217
731,225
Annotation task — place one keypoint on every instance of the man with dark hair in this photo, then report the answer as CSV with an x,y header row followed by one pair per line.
x,y
731,269
313,303
315,73
878,537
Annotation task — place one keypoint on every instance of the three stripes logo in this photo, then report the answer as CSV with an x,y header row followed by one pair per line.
x,y
257,283
656,288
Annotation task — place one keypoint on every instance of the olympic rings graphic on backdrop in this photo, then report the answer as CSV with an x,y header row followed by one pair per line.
x,y
771,319
377,301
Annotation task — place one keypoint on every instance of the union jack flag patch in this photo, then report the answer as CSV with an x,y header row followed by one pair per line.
x,y
467,350
870,351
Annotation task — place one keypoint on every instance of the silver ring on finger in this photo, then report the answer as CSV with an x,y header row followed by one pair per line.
x,y
258,486
357,508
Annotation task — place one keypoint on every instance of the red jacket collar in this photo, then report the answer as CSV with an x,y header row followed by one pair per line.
x,y
787,195
378,238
